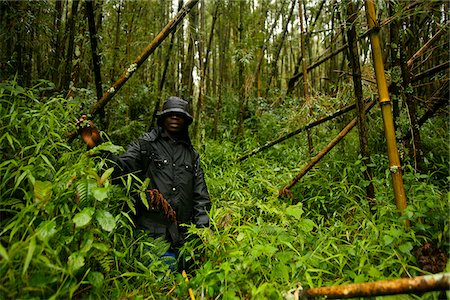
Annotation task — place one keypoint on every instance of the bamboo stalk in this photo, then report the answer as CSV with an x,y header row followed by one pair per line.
x,y
305,72
191,293
285,191
421,284
430,72
140,59
386,108
442,98
292,82
353,52
291,134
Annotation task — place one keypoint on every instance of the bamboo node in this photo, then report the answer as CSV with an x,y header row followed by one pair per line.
x,y
384,100
130,70
394,169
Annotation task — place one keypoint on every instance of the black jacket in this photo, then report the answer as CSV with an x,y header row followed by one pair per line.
x,y
173,167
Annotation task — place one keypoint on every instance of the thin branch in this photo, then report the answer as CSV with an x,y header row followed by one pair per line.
x,y
291,134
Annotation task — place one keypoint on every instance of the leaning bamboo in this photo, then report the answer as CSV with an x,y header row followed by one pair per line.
x,y
140,59
297,131
430,72
427,45
420,284
297,75
286,190
386,108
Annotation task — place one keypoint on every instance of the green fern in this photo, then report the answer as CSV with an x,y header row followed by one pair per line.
x,y
105,260
82,192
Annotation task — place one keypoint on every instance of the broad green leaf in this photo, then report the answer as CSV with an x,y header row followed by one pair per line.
x,y
83,217
42,191
374,272
46,230
96,279
388,240
88,240
306,225
106,220
100,193
75,261
295,211
240,236
406,247
101,246
31,248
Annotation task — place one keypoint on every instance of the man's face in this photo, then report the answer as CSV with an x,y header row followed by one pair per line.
x,y
174,123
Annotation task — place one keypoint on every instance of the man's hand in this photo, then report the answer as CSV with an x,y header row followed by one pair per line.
x,y
88,132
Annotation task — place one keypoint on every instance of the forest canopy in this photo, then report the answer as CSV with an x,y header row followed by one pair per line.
x,y
300,196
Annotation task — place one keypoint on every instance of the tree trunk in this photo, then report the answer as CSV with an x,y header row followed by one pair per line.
x,y
257,73
357,84
395,88
71,45
223,47
274,68
305,73
116,44
208,48
94,51
415,151
187,79
202,69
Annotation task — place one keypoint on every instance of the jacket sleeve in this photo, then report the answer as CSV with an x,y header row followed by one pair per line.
x,y
202,203
129,162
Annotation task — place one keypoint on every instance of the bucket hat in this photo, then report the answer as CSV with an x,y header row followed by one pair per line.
x,y
175,105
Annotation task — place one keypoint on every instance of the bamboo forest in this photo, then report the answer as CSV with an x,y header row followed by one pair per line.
x,y
319,137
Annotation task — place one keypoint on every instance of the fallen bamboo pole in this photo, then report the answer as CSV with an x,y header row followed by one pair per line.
x,y
285,191
140,59
421,284
291,134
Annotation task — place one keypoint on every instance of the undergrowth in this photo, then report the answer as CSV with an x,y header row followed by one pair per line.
x,y
67,231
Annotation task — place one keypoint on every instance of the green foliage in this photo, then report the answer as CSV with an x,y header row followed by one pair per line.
x,y
67,231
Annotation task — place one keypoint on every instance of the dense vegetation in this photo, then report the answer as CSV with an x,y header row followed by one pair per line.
x,y
66,230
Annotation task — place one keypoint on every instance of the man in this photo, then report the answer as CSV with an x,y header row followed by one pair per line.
x,y
166,156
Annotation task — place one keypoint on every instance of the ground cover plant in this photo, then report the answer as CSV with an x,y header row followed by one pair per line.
x,y
67,232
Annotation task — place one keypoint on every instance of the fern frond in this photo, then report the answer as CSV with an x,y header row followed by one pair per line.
x,y
105,260
82,191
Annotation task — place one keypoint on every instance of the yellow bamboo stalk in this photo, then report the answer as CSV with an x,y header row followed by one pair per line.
x,y
386,108
191,293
